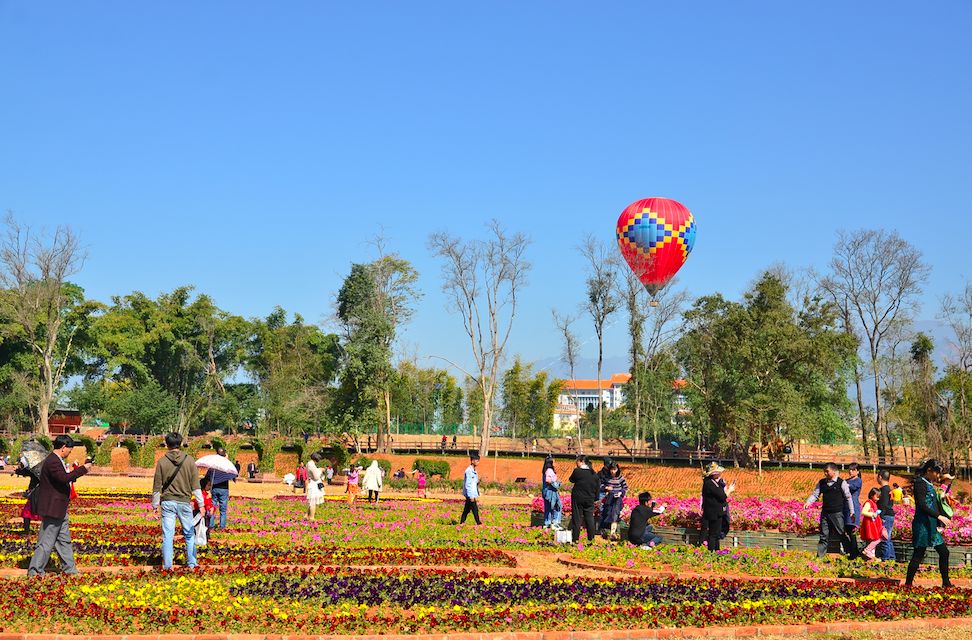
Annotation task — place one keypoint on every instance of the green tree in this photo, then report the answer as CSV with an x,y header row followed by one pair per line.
x,y
515,406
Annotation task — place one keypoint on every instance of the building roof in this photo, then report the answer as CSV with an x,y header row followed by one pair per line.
x,y
591,385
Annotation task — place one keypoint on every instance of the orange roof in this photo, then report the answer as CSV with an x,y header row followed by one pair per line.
x,y
617,378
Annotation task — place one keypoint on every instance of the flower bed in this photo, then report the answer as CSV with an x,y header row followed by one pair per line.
x,y
348,601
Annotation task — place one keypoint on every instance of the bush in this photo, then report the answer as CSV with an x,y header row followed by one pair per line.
x,y
338,456
90,448
146,457
364,463
102,456
432,467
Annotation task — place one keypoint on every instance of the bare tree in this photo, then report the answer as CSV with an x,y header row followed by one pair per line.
x,y
957,313
570,354
602,301
35,270
877,276
484,278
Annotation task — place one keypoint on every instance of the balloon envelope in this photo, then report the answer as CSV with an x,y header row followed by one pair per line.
x,y
655,236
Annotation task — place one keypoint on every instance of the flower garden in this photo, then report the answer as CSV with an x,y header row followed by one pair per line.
x,y
406,566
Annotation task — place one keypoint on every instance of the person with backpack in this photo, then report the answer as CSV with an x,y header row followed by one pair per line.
x,y
836,498
929,521
175,484
885,504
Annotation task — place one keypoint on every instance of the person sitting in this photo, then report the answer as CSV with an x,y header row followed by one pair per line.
x,y
640,533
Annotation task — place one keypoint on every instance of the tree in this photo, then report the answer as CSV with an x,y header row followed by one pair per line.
x,y
602,301
484,278
515,408
957,384
44,309
877,275
570,353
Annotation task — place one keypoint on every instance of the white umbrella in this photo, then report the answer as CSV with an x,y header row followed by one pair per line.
x,y
221,467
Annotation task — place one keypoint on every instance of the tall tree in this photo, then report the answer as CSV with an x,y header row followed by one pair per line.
x,y
515,408
878,275
602,301
570,353
957,384
484,279
43,308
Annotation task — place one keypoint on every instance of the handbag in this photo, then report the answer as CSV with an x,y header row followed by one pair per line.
x,y
320,486
884,533
29,510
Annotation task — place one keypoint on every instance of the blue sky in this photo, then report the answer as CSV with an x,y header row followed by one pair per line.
x,y
252,149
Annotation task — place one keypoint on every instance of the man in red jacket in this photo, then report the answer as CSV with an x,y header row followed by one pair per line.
x,y
54,493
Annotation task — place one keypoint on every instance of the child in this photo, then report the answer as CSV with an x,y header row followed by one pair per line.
x,y
871,524
352,488
641,533
203,519
421,485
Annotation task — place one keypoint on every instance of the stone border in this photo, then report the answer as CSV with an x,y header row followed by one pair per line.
x,y
621,634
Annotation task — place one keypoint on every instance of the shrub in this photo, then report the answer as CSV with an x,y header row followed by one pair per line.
x,y
90,447
146,457
365,462
102,456
337,455
432,467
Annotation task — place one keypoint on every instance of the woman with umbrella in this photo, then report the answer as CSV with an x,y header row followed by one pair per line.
x,y
220,471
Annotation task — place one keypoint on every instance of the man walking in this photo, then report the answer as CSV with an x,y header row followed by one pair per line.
x,y
221,491
176,483
54,493
886,507
470,489
836,497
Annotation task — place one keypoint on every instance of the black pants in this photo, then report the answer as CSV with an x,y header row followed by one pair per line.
x,y
853,549
582,512
713,529
832,525
471,507
919,555
372,496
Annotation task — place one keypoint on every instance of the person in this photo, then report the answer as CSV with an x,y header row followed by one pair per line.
x,y
897,495
640,533
29,510
400,474
455,441
369,442
352,487
583,494
534,444
929,519
251,471
306,436
885,504
175,483
470,490
715,503
614,493
203,514
330,473
221,489
420,492
443,443
853,518
836,498
603,476
315,485
871,525
300,478
53,496
372,481
550,488
570,444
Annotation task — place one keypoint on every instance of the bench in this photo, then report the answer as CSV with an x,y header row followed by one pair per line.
x,y
520,480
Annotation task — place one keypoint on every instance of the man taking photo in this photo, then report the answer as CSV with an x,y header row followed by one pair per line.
x,y
54,493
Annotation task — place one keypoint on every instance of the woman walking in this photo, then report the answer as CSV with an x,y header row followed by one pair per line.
x,y
372,481
352,487
582,497
929,521
715,504
552,507
315,485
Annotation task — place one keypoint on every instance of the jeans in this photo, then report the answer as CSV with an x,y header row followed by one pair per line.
x,y
471,506
54,535
552,508
650,538
221,498
886,548
170,511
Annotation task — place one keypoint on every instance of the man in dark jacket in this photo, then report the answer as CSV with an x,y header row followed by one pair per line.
x,y
175,484
715,504
836,499
54,493
582,497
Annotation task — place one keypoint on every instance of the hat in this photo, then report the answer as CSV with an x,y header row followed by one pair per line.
x,y
713,468
948,476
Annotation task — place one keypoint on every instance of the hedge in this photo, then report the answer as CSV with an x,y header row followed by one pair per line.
x,y
102,457
90,447
432,467
146,457
364,463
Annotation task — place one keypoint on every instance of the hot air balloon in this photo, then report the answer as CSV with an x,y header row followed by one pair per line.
x,y
655,236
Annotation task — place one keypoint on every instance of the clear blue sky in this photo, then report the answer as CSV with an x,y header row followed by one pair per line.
x,y
251,149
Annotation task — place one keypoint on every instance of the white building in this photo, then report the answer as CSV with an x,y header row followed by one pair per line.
x,y
577,395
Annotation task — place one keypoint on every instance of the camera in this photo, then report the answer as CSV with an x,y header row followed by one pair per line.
x,y
89,460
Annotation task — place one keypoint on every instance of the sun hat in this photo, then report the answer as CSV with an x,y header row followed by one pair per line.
x,y
713,468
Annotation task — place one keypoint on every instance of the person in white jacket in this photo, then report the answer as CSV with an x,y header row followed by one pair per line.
x,y
372,481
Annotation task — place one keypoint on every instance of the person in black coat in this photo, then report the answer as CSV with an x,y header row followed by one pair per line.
x,y
583,494
715,504
54,493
